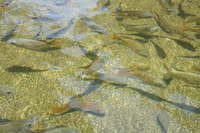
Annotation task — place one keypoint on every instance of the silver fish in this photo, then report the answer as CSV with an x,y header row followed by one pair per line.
x,y
22,125
7,3
6,91
94,26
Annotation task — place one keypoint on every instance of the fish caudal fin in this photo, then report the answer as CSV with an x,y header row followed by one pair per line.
x,y
166,72
121,24
55,43
58,110
185,28
114,36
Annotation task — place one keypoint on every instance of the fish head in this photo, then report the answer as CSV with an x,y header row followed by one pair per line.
x,y
6,3
26,124
148,15
13,41
8,91
159,83
154,29
97,110
171,11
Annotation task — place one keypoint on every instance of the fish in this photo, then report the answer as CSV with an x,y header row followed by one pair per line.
x,y
106,6
48,15
7,2
188,28
163,120
62,31
9,34
119,9
143,29
16,126
58,130
91,54
135,46
37,35
85,106
172,72
6,91
191,19
95,66
195,68
147,78
60,2
164,25
94,26
133,14
34,44
110,78
182,13
185,34
167,6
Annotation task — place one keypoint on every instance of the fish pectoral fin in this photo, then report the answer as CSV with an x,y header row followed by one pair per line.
x,y
58,110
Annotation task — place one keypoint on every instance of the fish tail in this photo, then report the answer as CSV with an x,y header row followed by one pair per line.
x,y
55,43
167,73
186,27
114,36
122,73
58,110
121,24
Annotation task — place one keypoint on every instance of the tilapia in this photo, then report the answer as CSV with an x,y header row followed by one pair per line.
x,y
60,2
85,106
9,34
95,66
22,125
164,25
184,34
7,2
48,15
6,91
167,6
58,130
34,44
195,68
163,120
133,14
143,29
147,78
135,46
94,26
188,77
110,78
62,31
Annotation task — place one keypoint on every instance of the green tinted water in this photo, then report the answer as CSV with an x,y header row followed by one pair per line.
x,y
127,109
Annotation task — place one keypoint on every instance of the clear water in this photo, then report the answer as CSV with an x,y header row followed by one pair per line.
x,y
131,109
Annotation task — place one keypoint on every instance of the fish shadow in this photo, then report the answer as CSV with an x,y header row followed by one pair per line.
x,y
185,45
161,53
23,69
160,99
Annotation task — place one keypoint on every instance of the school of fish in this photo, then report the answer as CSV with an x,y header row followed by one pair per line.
x,y
93,70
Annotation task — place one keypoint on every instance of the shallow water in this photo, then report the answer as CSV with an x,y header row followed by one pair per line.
x,y
131,108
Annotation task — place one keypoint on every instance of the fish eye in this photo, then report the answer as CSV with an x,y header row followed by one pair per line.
x,y
8,93
29,125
